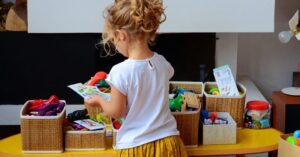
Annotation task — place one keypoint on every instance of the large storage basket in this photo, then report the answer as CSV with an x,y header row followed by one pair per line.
x,y
85,140
233,104
42,134
188,122
188,126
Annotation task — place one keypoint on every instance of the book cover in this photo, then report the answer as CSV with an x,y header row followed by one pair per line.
x,y
225,81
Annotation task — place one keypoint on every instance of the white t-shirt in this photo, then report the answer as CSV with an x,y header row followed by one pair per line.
x,y
146,85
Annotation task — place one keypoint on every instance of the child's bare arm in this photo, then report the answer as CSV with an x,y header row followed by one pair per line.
x,y
115,108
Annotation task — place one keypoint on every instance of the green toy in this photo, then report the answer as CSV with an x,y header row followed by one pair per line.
x,y
175,104
214,91
102,83
291,140
100,118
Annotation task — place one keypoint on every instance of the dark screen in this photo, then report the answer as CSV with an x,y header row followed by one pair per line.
x,y
35,66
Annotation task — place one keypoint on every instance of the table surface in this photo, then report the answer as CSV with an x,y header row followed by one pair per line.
x,y
249,141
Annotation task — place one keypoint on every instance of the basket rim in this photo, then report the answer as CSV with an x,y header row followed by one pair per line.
x,y
190,82
84,149
187,112
219,96
233,122
187,82
42,151
61,114
85,132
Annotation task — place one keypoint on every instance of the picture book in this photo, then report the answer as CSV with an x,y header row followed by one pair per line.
x,y
225,81
90,124
86,91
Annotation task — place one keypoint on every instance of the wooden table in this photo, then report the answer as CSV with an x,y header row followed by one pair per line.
x,y
249,141
285,111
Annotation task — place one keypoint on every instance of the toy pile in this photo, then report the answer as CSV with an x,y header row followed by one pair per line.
x,y
75,119
184,100
51,107
212,118
295,139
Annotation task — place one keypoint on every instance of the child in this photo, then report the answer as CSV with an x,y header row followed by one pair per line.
x,y
140,84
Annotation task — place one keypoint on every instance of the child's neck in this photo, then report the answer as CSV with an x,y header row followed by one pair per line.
x,y
139,50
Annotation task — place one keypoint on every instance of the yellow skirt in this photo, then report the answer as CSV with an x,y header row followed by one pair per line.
x,y
166,147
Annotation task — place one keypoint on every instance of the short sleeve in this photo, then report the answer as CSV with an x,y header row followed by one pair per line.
x,y
117,79
170,70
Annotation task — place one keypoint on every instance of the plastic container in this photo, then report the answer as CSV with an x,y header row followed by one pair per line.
x,y
257,114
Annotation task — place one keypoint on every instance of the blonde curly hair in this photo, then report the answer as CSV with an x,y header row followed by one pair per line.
x,y
140,18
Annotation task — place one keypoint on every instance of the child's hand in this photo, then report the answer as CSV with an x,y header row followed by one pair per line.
x,y
93,101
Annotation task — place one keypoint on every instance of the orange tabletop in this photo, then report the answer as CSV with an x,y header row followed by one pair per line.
x,y
249,141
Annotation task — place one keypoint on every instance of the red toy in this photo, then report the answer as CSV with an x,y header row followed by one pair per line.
x,y
97,77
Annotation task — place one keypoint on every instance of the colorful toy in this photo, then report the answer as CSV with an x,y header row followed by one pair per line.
x,y
297,134
204,115
297,141
213,116
291,140
50,107
214,91
175,104
97,77
182,91
100,118
117,123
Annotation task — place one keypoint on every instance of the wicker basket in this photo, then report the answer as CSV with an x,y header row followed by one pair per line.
x,y
233,104
93,111
196,87
42,134
188,126
188,122
85,140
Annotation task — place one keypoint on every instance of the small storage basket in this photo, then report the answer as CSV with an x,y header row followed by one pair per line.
x,y
85,140
42,134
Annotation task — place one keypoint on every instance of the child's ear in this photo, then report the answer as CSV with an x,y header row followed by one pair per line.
x,y
121,34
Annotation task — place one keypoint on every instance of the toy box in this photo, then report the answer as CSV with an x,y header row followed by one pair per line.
x,y
221,133
42,134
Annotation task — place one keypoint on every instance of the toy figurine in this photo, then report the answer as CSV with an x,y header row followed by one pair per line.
x,y
175,104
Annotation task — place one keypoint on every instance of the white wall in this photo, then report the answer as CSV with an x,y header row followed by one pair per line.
x,y
264,59
226,51
68,16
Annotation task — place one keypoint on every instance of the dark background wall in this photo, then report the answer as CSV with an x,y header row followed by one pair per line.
x,y
34,66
